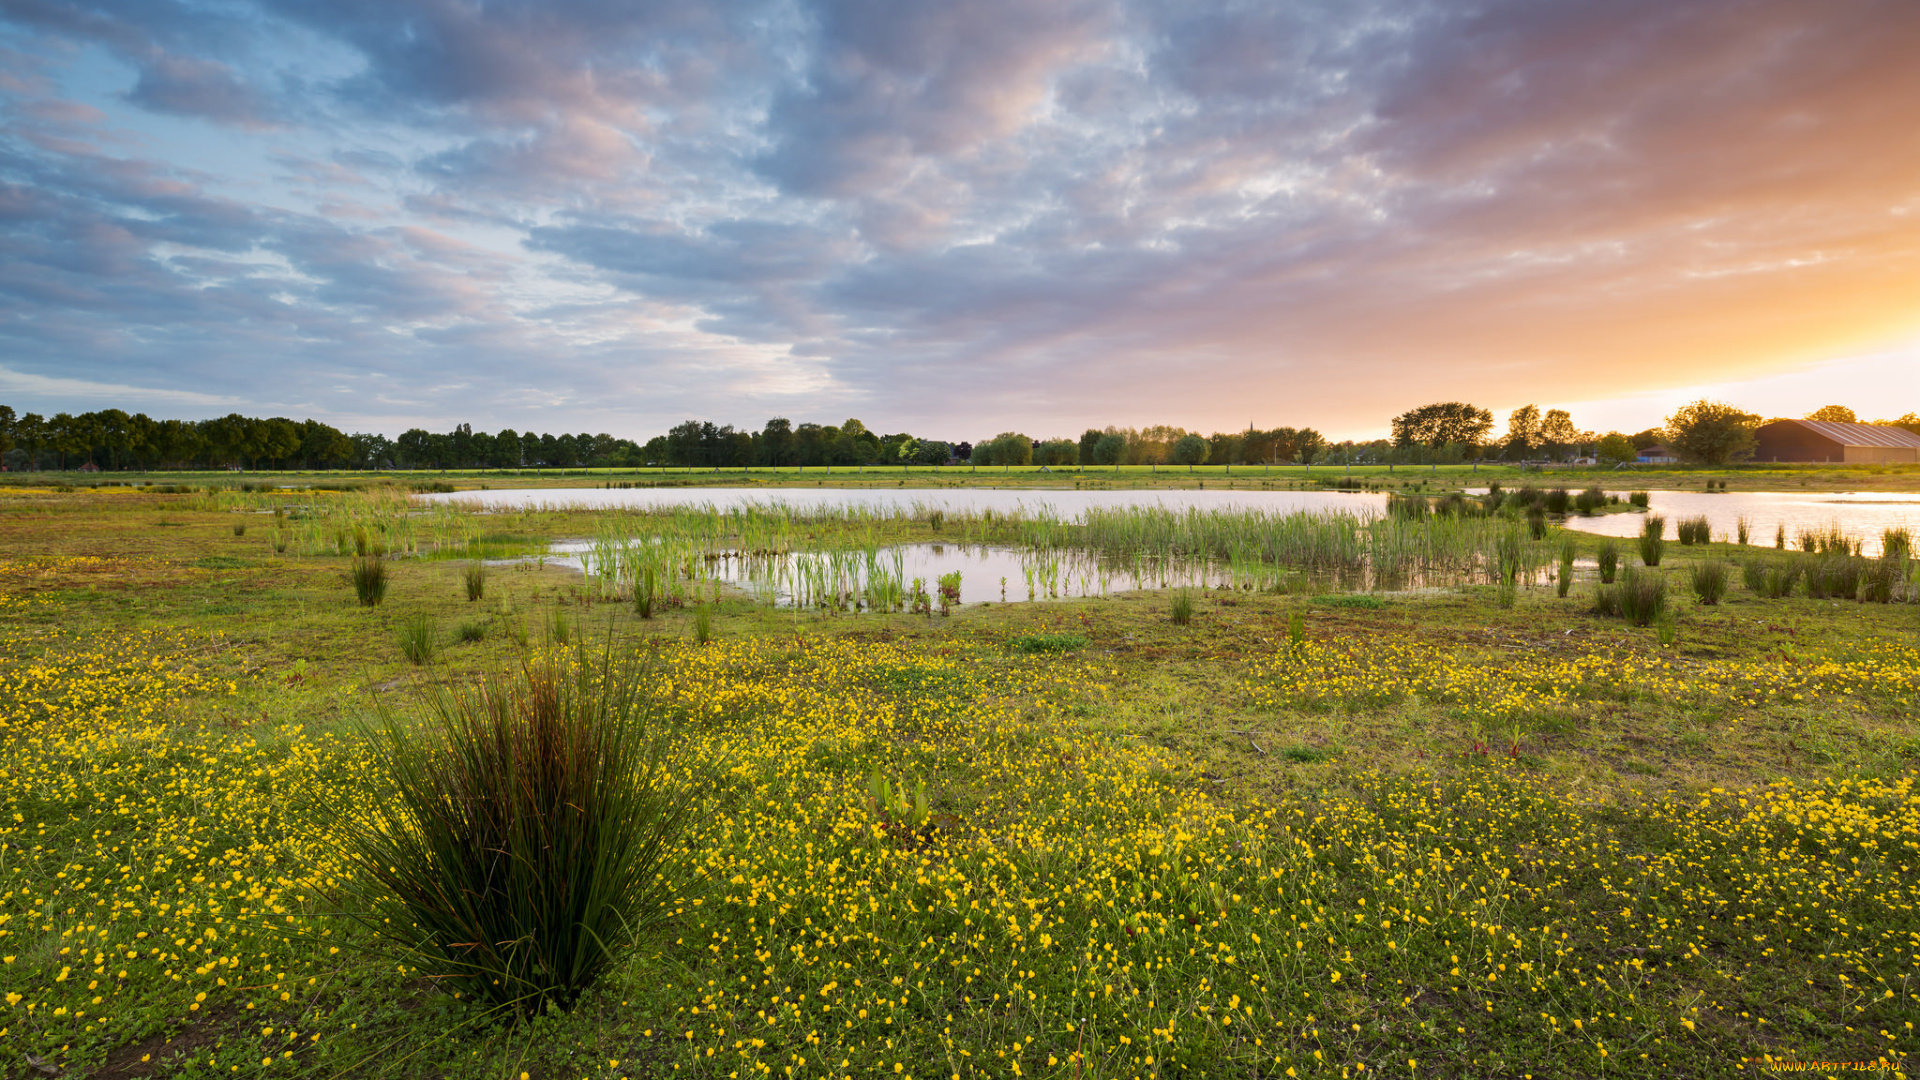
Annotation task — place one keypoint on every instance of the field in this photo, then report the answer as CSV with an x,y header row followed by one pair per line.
x,y
1473,829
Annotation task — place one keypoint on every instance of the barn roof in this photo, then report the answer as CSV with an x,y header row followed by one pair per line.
x,y
1860,434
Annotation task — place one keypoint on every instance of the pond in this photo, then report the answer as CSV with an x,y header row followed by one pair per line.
x,y
1068,503
1865,515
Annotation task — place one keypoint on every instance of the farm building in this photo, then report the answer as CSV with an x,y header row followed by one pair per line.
x,y
1821,440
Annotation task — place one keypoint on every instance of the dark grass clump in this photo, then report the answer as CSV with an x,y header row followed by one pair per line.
x,y
1408,507
703,623
1653,540
1558,500
1638,498
1896,545
474,632
1182,611
1772,578
520,840
1835,577
419,638
1608,558
476,581
370,580
1590,500
1709,580
646,592
239,528
1568,549
1537,521
1693,530
1640,597
1884,581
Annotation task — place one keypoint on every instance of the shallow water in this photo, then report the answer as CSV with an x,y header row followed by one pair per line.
x,y
1865,515
1068,503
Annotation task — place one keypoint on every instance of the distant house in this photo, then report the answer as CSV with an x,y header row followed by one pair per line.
x,y
1821,440
1656,455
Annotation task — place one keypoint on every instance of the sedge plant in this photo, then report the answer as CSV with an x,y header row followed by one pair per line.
x,y
520,840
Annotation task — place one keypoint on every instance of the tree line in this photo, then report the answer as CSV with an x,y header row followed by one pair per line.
x,y
1709,432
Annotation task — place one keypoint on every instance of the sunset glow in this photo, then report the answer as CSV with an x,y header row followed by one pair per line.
x,y
957,218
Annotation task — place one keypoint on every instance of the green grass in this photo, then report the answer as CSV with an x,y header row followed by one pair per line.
x,y
1313,756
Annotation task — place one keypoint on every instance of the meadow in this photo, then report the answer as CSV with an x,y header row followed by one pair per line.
x,y
1294,819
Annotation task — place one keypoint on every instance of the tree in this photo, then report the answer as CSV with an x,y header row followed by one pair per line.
x,y
1910,421
1615,448
1088,440
1110,448
7,420
1057,452
1712,432
1833,414
1523,431
1190,450
1444,422
1559,435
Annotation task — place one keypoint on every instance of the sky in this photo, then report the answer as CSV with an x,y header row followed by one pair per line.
x,y
957,219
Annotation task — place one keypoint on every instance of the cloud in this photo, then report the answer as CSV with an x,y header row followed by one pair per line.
x,y
947,213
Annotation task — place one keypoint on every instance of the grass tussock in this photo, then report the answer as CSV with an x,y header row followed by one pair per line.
x,y
476,580
524,831
1709,580
1608,559
370,577
1182,609
1653,540
419,638
1639,597
1693,530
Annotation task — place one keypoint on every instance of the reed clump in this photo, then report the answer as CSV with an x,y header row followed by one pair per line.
x,y
1709,580
1693,530
1653,540
419,638
1589,501
1835,577
370,576
522,835
1182,609
476,580
1639,597
1608,559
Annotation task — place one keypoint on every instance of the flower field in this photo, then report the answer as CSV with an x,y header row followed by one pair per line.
x,y
1072,904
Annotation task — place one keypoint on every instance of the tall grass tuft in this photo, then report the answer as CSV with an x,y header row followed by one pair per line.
x,y
1537,521
1608,558
476,580
1780,536
1742,529
1568,548
1653,540
646,591
1709,580
1558,500
1896,544
1835,577
1693,530
522,835
1638,498
559,628
239,528
1884,581
419,638
1183,607
1590,500
474,631
703,623
370,580
1641,597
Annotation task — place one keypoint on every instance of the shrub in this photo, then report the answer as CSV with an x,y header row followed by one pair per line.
x,y
370,580
1558,500
1183,607
1642,596
522,837
1709,580
1693,530
419,638
1608,558
476,580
